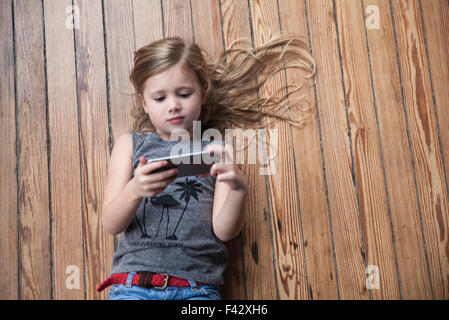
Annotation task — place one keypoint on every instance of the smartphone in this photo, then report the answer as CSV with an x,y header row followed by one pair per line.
x,y
185,163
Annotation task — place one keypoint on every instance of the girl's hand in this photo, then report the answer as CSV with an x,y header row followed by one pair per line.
x,y
146,184
225,170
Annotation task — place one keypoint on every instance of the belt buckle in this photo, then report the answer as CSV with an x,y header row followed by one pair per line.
x,y
165,282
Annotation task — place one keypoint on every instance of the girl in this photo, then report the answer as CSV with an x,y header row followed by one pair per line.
x,y
172,229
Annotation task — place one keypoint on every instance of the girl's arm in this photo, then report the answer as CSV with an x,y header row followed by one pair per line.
x,y
119,204
123,192
228,209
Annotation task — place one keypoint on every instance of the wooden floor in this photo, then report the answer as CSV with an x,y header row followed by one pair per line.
x,y
358,207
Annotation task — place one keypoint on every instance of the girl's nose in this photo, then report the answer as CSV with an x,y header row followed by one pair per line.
x,y
174,104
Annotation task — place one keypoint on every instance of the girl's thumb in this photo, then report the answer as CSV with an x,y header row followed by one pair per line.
x,y
142,161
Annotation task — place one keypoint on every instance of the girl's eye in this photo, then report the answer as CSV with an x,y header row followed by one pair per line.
x,y
185,94
182,95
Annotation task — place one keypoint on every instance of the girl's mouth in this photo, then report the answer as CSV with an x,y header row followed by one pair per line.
x,y
176,120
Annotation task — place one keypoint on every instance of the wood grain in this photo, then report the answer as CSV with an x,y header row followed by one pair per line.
x,y
94,136
207,31
65,179
120,46
318,248
9,276
342,196
288,242
411,260
436,32
177,19
147,22
421,121
436,28
374,212
35,254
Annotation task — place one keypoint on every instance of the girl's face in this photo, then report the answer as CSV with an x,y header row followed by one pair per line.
x,y
175,92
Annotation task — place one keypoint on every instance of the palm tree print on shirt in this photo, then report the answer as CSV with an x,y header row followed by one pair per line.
x,y
190,188
166,201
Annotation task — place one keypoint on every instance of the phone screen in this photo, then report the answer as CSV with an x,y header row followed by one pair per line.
x,y
186,163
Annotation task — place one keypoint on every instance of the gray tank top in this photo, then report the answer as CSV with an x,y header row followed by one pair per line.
x,y
172,232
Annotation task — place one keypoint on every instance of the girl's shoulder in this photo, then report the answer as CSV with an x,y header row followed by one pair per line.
x,y
124,142
129,141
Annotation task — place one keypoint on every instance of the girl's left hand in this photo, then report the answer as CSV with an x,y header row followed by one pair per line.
x,y
225,170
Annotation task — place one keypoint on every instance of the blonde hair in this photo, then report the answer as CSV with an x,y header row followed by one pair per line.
x,y
231,83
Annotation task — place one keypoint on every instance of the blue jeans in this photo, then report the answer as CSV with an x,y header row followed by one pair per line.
x,y
129,291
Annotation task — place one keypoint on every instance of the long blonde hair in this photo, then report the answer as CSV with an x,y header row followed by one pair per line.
x,y
232,83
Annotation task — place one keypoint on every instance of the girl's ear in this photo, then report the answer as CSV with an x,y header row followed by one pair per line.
x,y
145,107
142,100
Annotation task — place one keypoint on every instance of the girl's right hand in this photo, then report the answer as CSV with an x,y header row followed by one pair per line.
x,y
146,184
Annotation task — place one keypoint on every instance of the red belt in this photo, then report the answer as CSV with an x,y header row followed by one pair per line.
x,y
147,280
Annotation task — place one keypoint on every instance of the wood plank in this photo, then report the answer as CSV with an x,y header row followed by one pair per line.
x,y
344,215
322,282
207,31
9,277
35,255
421,120
177,19
413,277
288,242
94,135
67,235
120,45
436,26
366,148
147,21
